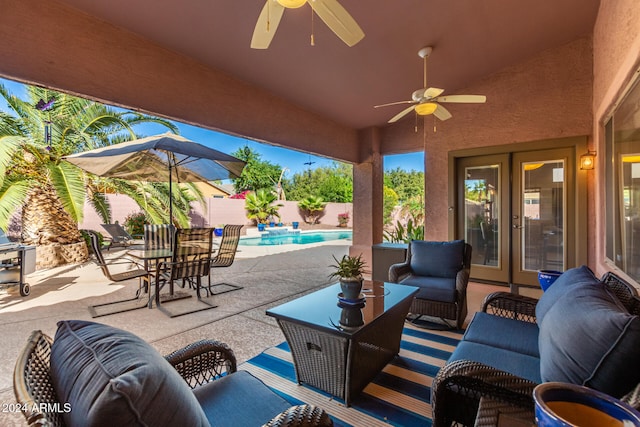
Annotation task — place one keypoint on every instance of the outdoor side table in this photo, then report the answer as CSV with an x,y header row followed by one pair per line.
x,y
338,359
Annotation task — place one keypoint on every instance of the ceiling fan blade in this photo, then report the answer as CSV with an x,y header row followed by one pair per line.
x,y
394,103
432,92
401,114
267,25
471,99
442,113
338,20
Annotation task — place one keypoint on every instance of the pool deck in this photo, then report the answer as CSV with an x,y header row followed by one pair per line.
x,y
270,276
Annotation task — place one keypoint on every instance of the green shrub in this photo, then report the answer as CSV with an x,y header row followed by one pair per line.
x,y
134,224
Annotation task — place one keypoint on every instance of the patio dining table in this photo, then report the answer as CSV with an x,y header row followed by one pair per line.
x,y
152,259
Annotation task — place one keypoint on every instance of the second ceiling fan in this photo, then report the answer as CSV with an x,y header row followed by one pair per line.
x,y
427,100
330,11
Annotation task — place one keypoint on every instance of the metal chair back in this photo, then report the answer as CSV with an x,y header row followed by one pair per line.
x,y
228,246
97,251
158,236
191,253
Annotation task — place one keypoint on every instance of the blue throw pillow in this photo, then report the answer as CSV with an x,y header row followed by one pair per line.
x,y
111,377
579,276
437,259
587,337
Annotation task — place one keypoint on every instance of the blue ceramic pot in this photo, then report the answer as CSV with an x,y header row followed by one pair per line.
x,y
569,405
217,231
295,225
547,277
260,227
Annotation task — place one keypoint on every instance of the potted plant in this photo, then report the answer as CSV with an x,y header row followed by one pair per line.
x,y
343,219
349,271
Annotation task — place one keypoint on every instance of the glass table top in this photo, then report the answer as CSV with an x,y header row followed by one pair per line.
x,y
323,310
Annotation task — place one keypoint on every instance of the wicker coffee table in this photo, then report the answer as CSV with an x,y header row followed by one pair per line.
x,y
330,350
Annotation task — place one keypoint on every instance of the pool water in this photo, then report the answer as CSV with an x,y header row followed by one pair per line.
x,y
296,239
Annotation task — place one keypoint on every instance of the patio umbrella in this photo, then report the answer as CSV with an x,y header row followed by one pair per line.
x,y
160,158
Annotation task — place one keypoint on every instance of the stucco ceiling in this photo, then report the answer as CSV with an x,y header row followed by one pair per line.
x,y
471,39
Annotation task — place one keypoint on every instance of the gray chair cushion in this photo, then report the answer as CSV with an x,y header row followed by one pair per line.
x,y
579,276
518,364
111,377
502,332
239,399
587,337
437,259
441,289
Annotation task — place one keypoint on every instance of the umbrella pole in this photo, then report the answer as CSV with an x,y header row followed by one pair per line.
x,y
170,197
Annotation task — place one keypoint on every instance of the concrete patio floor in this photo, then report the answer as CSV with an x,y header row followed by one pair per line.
x,y
269,275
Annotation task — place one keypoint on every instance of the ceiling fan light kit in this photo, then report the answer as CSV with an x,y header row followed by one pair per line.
x,y
426,108
427,100
292,4
330,11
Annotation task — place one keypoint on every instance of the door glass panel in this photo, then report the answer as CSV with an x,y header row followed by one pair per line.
x,y
543,215
482,213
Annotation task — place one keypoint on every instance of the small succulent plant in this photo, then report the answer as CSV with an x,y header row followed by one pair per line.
x,y
349,267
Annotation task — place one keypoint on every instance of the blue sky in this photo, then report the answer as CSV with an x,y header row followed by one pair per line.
x,y
295,161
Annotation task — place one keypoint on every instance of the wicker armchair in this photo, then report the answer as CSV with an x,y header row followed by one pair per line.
x,y
441,271
198,363
458,387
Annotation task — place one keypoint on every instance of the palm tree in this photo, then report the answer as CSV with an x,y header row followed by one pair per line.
x,y
312,207
261,206
35,136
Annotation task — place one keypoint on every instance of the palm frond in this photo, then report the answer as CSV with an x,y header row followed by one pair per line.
x,y
12,196
99,202
68,182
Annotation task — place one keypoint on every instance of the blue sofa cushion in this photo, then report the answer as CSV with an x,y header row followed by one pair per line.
x,y
239,399
518,364
437,259
587,337
579,276
441,289
111,377
501,332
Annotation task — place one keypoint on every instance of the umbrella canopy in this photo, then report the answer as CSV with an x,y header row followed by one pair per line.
x,y
151,159
160,158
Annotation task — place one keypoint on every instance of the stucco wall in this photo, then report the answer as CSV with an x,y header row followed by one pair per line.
x,y
616,61
548,96
216,212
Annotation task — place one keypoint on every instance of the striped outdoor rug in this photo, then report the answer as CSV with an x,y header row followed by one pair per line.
x,y
399,395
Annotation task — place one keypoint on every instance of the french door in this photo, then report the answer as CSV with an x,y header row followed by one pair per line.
x,y
513,209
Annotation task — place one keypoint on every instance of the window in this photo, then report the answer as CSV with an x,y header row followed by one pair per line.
x,y
622,135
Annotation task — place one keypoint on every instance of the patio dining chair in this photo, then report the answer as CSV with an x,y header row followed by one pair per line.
x,y
225,256
190,262
134,271
158,236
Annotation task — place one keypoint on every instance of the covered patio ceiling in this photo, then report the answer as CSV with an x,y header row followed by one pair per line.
x,y
191,61
471,39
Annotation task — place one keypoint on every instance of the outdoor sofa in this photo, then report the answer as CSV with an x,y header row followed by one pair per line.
x,y
97,375
582,331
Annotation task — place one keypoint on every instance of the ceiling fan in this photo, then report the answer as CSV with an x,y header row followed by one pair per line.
x,y
427,100
330,11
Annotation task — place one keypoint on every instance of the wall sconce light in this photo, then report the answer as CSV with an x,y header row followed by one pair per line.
x,y
588,160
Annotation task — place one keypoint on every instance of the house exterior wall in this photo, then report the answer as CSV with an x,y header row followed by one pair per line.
x,y
548,96
616,62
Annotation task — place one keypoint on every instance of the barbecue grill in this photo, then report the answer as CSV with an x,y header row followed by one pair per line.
x,y
16,261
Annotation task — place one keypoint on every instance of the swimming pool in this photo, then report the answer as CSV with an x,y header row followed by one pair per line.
x,y
296,239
